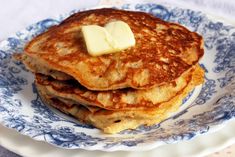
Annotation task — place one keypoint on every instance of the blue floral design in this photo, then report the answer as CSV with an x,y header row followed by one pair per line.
x,y
157,10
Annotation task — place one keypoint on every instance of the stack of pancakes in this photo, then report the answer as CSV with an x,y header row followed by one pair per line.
x,y
140,85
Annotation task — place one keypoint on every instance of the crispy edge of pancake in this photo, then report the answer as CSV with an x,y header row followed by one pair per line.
x,y
104,84
35,66
115,100
115,121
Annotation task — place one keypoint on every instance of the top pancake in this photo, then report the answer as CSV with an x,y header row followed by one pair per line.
x,y
163,51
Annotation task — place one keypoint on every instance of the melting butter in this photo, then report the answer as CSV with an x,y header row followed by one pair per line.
x,y
113,37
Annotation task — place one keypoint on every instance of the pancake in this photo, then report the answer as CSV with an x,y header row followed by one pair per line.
x,y
113,121
141,85
35,66
117,99
163,52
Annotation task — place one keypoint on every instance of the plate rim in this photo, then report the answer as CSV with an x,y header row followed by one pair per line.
x,y
221,143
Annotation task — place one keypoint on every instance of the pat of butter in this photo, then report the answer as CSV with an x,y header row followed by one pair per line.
x,y
113,37
121,33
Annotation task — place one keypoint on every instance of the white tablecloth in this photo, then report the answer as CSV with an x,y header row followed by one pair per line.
x,y
17,14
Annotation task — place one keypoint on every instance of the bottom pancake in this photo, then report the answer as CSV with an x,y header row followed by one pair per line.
x,y
114,121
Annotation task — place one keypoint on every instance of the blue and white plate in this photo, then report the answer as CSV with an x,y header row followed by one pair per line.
x,y
205,108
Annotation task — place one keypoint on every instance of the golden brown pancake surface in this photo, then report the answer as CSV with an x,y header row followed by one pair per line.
x,y
163,51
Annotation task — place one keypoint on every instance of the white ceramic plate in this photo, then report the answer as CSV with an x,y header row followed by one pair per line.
x,y
204,109
199,146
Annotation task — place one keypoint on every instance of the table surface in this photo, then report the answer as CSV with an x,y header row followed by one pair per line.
x,y
19,14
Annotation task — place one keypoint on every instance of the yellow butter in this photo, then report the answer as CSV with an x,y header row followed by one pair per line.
x,y
98,40
113,37
121,33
